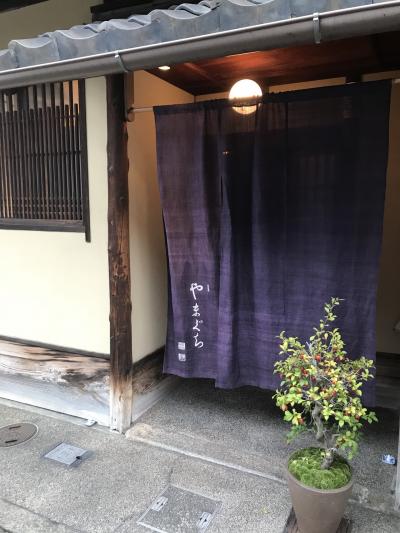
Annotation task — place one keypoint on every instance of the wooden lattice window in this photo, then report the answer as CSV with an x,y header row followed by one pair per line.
x,y
43,158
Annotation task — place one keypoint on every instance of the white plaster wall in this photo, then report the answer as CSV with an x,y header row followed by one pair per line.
x,y
148,257
388,303
54,286
32,20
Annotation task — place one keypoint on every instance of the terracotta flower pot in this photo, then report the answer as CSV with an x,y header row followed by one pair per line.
x,y
318,510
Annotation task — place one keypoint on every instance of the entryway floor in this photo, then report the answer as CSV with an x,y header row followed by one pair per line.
x,y
244,427
227,446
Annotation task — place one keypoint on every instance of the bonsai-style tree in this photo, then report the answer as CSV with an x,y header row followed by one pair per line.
x,y
320,389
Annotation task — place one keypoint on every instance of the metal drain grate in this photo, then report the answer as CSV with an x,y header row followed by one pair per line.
x,y
67,454
17,434
179,511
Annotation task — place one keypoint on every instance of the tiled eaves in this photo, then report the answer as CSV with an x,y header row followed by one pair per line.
x,y
160,25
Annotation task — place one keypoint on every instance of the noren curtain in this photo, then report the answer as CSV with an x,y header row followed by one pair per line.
x,y
267,216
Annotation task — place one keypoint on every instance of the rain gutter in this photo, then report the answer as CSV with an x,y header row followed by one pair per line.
x,y
318,27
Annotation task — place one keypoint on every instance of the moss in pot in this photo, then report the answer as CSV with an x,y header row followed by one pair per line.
x,y
320,393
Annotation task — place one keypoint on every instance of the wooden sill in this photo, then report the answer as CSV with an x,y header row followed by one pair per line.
x,y
76,226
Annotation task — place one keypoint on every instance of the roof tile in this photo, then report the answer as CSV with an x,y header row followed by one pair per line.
x,y
34,51
180,22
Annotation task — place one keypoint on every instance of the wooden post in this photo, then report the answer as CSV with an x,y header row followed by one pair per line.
x,y
118,257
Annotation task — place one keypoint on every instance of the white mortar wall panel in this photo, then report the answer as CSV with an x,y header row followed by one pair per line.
x,y
148,256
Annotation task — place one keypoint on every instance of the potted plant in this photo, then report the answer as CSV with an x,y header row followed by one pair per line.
x,y
321,392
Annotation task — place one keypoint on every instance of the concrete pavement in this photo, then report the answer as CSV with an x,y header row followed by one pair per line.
x,y
111,489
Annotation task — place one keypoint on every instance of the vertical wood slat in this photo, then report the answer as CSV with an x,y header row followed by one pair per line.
x,y
48,158
66,201
3,194
9,164
77,161
60,169
19,140
45,163
42,176
118,257
84,158
34,161
34,153
3,200
71,136
68,148
56,150
39,186
59,159
15,184
4,183
51,152
26,164
13,157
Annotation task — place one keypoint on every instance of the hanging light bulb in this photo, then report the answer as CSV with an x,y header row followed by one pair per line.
x,y
244,90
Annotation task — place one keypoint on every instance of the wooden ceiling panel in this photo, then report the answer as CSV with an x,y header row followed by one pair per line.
x,y
349,57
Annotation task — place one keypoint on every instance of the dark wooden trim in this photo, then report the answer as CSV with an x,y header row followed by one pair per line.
x,y
42,225
9,5
118,257
53,347
84,158
147,373
152,358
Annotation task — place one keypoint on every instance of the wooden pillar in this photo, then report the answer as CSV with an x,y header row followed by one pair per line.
x,y
118,257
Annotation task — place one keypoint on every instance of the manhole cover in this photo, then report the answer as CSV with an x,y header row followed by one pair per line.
x,y
179,511
17,434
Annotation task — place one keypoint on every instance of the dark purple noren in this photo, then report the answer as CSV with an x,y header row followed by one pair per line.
x,y
267,216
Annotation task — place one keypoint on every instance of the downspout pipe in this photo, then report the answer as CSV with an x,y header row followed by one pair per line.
x,y
318,27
